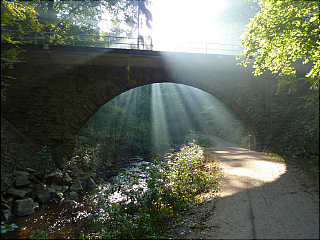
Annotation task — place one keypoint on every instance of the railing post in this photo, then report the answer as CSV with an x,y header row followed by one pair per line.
x,y
108,42
206,48
73,39
35,40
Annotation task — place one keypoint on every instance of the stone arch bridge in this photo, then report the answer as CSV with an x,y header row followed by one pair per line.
x,y
57,90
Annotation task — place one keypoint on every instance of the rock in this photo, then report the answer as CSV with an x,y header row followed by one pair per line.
x,y
20,173
54,177
31,171
6,213
5,206
28,191
36,206
23,207
67,179
39,175
76,186
73,203
52,188
59,195
73,195
10,181
16,193
22,180
9,201
42,193
32,178
64,189
91,184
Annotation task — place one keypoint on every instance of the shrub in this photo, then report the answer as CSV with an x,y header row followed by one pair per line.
x,y
149,199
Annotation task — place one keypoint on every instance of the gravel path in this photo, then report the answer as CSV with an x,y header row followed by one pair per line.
x,y
261,198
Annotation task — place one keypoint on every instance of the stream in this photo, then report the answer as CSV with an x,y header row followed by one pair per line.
x,y
60,220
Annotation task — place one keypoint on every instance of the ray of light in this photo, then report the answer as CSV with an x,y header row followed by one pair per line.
x,y
159,123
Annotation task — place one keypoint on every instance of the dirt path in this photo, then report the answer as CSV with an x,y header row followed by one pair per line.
x,y
260,198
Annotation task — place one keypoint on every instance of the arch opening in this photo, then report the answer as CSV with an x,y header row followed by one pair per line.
x,y
168,112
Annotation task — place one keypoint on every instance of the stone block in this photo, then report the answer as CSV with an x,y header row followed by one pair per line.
x,y
16,193
23,207
6,213
42,193
22,181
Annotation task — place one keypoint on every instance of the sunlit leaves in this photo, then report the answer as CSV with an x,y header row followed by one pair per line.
x,y
281,33
139,203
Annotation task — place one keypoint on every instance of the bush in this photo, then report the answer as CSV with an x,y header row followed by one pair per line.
x,y
87,157
149,199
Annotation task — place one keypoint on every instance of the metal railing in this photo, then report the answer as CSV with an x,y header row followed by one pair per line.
x,y
107,41
210,48
87,40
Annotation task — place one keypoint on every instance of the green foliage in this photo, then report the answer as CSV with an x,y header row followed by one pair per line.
x,y
201,139
19,16
150,199
42,234
87,157
46,158
8,227
281,33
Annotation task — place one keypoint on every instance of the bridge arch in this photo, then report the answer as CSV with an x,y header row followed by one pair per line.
x,y
57,90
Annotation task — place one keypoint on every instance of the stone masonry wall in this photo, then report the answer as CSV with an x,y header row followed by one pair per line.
x,y
56,91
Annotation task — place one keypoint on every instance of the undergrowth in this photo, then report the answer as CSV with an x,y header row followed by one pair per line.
x,y
149,200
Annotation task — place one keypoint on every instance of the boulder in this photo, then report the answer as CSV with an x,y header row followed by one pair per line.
x,y
20,173
73,195
22,180
64,189
73,203
39,175
54,177
67,179
31,170
32,178
76,186
36,206
42,193
59,195
16,193
5,206
6,213
9,201
23,207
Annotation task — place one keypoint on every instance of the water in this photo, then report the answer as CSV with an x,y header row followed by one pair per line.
x,y
62,220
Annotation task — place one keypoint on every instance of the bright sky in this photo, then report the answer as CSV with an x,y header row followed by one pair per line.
x,y
176,22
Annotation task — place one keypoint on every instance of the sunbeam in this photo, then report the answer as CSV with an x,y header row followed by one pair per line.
x,y
159,123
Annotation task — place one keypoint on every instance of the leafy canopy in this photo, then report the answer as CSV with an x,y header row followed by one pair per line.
x,y
281,33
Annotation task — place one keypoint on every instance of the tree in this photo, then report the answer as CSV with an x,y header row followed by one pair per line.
x,y
18,16
281,33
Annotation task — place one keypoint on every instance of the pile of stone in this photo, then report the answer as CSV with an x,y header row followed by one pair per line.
x,y
23,191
